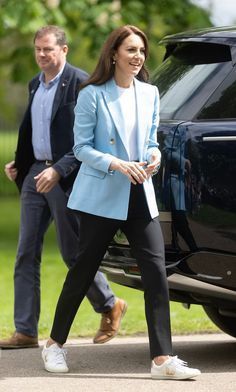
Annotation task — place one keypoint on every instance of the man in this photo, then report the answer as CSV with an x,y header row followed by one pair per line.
x,y
44,170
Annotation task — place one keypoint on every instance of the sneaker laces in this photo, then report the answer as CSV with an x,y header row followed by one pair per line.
x,y
60,355
178,362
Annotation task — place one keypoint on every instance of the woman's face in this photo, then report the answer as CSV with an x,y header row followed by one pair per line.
x,y
130,56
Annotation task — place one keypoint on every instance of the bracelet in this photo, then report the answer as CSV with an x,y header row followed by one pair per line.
x,y
156,170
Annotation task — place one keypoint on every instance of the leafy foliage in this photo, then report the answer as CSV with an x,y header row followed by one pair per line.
x,y
87,24
90,20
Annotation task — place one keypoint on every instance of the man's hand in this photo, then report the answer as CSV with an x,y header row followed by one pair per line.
x,y
10,170
46,180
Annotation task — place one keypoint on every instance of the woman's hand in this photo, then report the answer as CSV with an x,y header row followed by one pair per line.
x,y
154,165
133,170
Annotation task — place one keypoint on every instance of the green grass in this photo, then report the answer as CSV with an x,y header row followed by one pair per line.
x,y
52,276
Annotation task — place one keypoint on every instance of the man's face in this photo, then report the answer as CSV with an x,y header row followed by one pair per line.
x,y
49,56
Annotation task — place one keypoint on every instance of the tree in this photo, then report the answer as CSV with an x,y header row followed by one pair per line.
x,y
87,23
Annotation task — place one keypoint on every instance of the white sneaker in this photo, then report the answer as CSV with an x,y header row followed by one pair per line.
x,y
173,369
54,358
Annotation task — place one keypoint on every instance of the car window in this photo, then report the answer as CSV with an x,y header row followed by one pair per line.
x,y
187,78
222,104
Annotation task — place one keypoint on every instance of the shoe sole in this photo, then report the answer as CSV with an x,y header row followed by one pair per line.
x,y
14,347
173,377
115,334
55,371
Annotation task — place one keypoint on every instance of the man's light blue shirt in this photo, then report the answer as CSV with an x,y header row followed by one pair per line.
x,y
41,113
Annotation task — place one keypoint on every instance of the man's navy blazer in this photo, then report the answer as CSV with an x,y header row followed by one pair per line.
x,y
61,129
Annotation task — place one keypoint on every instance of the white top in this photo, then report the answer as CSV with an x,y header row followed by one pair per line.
x,y
127,101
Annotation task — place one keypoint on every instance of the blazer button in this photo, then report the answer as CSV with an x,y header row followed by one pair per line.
x,y
112,141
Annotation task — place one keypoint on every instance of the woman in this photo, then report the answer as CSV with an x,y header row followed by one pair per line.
x,y
116,119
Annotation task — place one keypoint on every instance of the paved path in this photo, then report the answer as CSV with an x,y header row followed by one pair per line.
x,y
122,365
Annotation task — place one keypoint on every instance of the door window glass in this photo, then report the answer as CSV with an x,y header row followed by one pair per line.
x,y
222,104
188,77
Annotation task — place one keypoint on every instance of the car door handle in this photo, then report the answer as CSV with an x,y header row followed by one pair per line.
x,y
219,138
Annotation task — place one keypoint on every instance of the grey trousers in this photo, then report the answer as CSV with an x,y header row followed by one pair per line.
x,y
37,212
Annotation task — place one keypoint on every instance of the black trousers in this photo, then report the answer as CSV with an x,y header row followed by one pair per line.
x,y
147,246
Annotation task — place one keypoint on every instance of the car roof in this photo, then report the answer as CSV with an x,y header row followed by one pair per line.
x,y
225,35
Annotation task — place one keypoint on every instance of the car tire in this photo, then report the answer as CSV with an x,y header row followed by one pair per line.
x,y
227,324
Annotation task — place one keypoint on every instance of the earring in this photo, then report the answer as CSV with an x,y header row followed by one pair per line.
x,y
114,61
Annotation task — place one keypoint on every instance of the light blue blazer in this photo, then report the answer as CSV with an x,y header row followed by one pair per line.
x,y
99,136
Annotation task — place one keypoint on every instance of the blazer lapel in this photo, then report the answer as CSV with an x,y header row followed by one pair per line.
x,y
141,102
60,91
33,90
110,95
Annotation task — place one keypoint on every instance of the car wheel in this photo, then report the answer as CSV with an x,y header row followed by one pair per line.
x,y
226,323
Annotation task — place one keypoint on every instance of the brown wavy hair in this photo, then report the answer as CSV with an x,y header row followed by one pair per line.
x,y
105,68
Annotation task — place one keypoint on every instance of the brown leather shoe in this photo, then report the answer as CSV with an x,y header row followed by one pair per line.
x,y
110,322
19,340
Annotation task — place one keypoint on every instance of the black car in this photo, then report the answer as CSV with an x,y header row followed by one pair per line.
x,y
196,185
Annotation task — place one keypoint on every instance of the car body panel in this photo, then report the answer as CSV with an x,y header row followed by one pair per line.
x,y
195,187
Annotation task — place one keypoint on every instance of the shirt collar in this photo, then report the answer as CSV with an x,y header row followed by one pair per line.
x,y
53,81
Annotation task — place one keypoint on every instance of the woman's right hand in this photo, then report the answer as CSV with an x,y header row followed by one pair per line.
x,y
133,170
